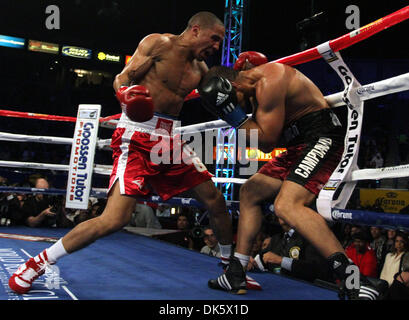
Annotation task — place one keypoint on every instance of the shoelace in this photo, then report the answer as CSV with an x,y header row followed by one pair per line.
x,y
41,267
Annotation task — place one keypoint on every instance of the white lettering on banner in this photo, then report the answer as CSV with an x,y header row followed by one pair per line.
x,y
336,215
82,156
348,163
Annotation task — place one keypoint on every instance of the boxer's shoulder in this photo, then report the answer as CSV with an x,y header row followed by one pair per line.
x,y
154,40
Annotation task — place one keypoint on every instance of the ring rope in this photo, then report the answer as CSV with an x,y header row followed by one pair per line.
x,y
366,92
301,57
369,92
369,218
350,38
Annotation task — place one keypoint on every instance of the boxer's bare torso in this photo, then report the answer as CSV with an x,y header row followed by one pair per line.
x,y
173,75
170,67
278,95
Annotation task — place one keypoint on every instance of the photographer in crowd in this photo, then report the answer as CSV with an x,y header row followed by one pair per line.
x,y
38,210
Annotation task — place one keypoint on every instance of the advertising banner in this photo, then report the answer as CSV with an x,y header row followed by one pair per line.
x,y
389,200
82,156
40,46
12,42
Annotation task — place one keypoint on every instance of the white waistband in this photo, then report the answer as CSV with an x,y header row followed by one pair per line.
x,y
151,126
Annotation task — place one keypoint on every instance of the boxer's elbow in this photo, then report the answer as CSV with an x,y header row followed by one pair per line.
x,y
118,82
266,145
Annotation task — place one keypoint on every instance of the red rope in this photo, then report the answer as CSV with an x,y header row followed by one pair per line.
x,y
298,58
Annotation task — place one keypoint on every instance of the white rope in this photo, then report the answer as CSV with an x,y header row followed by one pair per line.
x,y
357,175
366,92
374,90
6,136
381,173
99,169
229,180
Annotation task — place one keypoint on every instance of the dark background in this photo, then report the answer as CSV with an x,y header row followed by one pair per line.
x,y
45,83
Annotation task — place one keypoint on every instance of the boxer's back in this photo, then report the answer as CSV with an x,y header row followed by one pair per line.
x,y
303,97
290,88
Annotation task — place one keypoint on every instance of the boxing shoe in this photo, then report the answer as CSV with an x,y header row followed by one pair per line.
x,y
251,284
233,280
369,289
22,280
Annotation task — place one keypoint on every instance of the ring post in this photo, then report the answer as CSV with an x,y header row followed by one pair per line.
x,y
82,156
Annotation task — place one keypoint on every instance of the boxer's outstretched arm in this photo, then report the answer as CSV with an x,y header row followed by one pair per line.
x,y
141,61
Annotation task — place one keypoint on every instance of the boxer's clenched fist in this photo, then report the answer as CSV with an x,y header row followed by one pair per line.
x,y
136,102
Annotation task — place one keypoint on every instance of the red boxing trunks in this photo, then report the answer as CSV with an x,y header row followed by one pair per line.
x,y
139,173
315,144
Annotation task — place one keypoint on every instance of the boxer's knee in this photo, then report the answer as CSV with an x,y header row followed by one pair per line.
x,y
248,193
215,200
283,208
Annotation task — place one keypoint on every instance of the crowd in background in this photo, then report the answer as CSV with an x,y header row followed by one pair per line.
x,y
378,252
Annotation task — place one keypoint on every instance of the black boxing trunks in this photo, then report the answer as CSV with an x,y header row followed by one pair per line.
x,y
315,144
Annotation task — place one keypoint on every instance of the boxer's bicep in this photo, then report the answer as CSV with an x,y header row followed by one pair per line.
x,y
270,112
270,119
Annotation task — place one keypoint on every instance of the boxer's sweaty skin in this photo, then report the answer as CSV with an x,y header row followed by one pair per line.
x,y
278,95
170,66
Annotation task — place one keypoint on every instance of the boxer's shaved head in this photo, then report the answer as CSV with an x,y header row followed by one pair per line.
x,y
204,19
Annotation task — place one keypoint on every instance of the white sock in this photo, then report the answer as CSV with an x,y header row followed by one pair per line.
x,y
244,260
56,251
225,252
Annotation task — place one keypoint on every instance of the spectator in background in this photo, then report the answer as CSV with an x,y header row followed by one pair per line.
x,y
144,217
399,289
376,161
184,224
363,255
10,206
3,181
37,209
346,238
163,211
212,245
258,244
390,239
349,231
393,259
355,229
293,255
378,244
62,219
183,221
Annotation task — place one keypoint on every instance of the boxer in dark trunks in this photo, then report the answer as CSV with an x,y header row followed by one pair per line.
x,y
286,107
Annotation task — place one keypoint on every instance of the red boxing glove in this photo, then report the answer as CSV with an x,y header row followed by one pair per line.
x,y
136,102
249,59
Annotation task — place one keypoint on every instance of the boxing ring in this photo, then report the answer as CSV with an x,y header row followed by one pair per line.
x,y
143,259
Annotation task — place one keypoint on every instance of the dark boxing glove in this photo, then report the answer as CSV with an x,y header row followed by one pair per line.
x,y
249,59
136,102
219,98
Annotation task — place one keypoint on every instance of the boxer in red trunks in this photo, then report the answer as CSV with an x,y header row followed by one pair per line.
x,y
288,110
151,89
